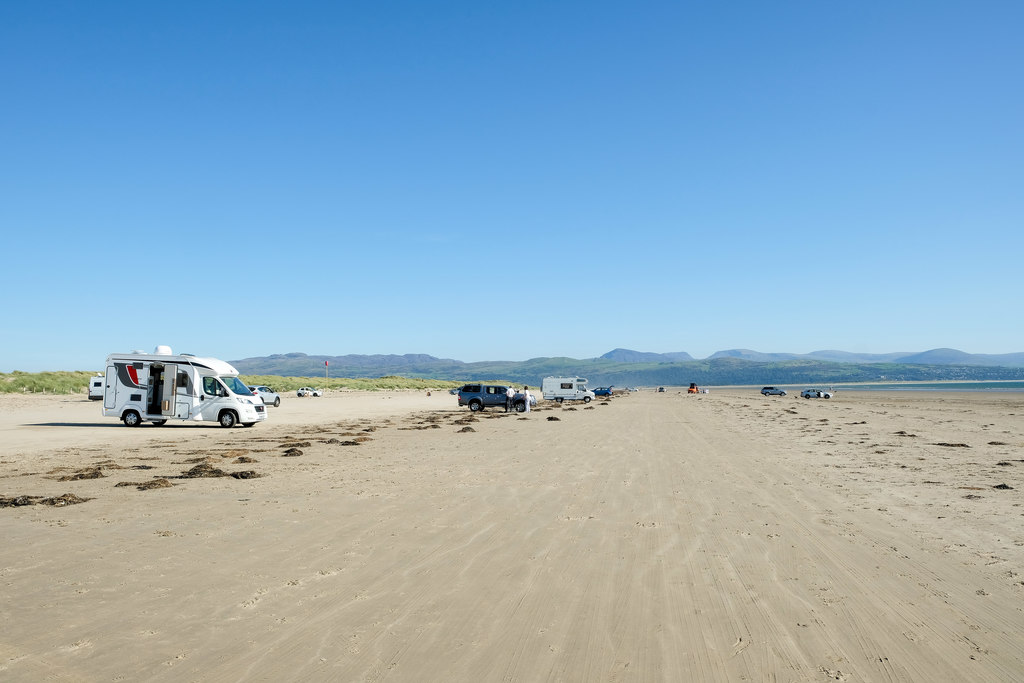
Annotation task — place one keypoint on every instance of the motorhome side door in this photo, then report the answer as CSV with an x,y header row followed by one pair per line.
x,y
168,400
187,398
110,388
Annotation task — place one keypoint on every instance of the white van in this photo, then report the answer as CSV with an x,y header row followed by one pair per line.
x,y
96,388
160,386
566,389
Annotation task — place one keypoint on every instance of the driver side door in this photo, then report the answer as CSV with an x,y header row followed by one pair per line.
x,y
211,394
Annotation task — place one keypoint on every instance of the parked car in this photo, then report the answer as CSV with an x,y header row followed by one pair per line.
x,y
482,396
269,396
773,391
603,391
309,391
815,393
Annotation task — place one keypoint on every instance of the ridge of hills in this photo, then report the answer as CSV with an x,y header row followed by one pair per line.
x,y
626,367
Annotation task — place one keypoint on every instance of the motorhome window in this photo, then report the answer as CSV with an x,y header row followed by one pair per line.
x,y
236,385
211,386
137,366
183,383
567,385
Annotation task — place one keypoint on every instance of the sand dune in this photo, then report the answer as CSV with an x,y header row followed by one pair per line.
x,y
651,537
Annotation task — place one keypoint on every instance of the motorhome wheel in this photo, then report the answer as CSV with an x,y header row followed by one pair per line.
x,y
227,419
558,399
586,399
131,419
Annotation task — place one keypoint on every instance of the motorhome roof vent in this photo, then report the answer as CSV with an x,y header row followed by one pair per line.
x,y
163,350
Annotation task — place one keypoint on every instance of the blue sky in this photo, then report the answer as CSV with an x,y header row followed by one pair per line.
x,y
543,179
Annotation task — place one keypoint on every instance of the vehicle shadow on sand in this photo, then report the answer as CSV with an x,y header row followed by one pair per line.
x,y
118,425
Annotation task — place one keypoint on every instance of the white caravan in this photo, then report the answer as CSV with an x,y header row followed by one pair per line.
x,y
161,386
96,388
566,389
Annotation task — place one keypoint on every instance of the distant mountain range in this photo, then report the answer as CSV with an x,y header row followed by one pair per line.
x,y
626,367
627,356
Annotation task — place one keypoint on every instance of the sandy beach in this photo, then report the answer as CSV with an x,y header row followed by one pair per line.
x,y
878,536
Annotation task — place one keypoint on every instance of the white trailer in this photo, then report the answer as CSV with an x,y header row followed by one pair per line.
x,y
566,389
96,387
160,386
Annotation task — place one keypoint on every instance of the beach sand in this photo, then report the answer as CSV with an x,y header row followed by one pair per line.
x,y
652,537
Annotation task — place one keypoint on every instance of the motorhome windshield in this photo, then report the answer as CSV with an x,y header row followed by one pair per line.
x,y
236,385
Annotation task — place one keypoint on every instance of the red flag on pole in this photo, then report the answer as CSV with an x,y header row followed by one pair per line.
x,y
325,363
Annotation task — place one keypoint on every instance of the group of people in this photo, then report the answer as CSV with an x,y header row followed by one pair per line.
x,y
510,394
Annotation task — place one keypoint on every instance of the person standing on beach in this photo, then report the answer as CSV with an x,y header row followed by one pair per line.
x,y
509,395
526,395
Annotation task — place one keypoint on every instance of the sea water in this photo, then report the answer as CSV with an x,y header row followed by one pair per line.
x,y
1007,385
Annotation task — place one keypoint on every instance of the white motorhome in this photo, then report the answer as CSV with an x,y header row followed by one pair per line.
x,y
160,386
566,389
96,388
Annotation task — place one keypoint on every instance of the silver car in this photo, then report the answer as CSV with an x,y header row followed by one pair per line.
x,y
308,391
269,396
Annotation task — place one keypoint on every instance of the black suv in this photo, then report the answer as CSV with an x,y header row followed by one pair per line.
x,y
480,396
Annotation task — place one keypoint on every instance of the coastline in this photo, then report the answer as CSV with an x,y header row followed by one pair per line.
x,y
952,385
